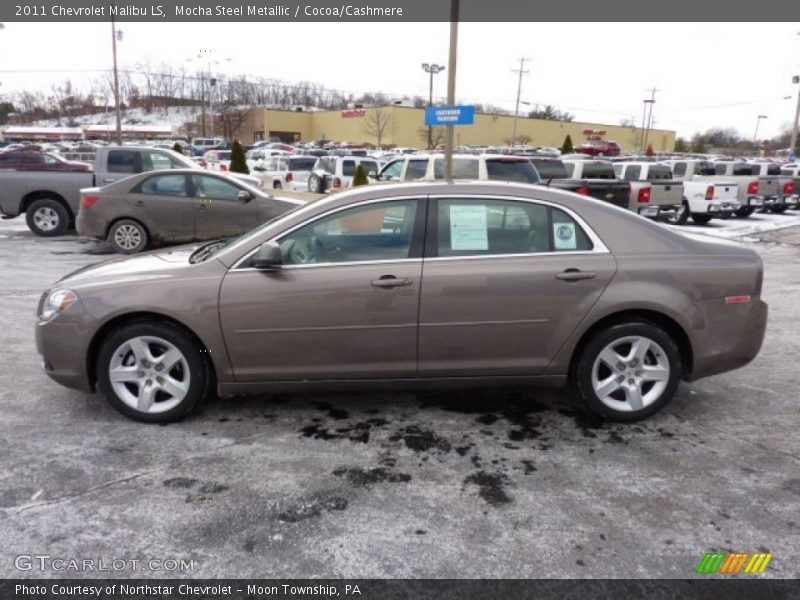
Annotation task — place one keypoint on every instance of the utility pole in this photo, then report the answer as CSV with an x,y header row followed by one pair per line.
x,y
451,86
521,72
758,122
651,102
796,123
116,80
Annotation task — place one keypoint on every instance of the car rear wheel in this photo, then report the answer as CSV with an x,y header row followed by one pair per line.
x,y
47,217
628,371
276,185
779,209
701,219
744,211
152,372
681,215
128,236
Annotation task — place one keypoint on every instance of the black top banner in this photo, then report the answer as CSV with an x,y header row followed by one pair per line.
x,y
396,11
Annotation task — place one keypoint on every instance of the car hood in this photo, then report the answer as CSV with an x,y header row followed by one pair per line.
x,y
150,265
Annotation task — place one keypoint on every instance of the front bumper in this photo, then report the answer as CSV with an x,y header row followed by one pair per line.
x,y
60,342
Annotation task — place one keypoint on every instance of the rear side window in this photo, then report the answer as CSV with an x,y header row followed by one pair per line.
x,y
499,169
463,168
123,161
163,185
570,169
592,170
491,227
416,169
657,172
328,165
745,169
550,169
301,164
680,169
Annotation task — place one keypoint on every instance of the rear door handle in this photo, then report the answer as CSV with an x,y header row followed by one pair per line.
x,y
575,275
140,203
388,281
108,180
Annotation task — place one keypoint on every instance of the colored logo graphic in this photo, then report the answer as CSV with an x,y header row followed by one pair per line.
x,y
735,563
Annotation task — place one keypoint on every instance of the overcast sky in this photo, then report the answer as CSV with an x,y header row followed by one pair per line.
x,y
718,74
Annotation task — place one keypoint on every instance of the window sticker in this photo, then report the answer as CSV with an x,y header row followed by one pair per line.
x,y
564,236
468,227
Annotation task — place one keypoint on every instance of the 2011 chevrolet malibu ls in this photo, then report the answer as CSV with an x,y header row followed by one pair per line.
x,y
416,284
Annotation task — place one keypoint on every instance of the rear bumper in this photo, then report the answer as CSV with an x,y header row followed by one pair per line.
x,y
733,337
657,211
88,226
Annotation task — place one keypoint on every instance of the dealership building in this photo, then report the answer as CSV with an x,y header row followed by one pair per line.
x,y
405,126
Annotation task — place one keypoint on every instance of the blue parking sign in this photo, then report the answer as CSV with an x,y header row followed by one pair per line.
x,y
450,115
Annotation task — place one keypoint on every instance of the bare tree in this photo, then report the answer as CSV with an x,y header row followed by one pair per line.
x,y
438,135
377,122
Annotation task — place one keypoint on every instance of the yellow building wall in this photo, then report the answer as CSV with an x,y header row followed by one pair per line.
x,y
406,128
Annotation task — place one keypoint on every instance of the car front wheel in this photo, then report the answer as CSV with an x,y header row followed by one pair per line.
x,y
628,371
128,237
152,372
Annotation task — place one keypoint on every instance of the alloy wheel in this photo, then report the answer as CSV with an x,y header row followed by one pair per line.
x,y
46,218
127,237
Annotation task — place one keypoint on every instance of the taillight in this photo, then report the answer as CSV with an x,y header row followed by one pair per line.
x,y
710,192
788,188
583,191
644,195
223,167
752,188
89,201
337,183
289,177
737,299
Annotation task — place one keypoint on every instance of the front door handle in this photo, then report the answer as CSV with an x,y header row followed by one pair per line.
x,y
575,275
387,281
140,203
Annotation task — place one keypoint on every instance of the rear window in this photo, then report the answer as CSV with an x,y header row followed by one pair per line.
x,y
550,169
705,168
592,170
745,169
773,170
657,172
463,168
301,164
522,171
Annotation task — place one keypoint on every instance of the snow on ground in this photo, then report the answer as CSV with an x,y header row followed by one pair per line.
x,y
175,117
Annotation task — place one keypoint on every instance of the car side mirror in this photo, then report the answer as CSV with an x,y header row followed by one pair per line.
x,y
268,257
244,196
373,175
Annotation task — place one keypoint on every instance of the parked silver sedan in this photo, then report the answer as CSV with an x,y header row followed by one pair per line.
x,y
412,285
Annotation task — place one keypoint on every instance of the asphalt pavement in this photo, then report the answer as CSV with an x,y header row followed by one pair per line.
x,y
455,484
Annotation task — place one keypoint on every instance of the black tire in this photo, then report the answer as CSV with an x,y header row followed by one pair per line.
x,y
779,209
316,184
581,376
276,185
682,216
47,217
701,219
745,211
199,370
127,236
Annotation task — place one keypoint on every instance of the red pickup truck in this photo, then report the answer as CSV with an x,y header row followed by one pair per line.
x,y
599,148
29,160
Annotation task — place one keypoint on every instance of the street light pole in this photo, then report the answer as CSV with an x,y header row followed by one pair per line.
x,y
521,72
796,123
758,122
451,86
116,81
432,69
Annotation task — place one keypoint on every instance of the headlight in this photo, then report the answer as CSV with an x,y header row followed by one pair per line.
x,y
57,302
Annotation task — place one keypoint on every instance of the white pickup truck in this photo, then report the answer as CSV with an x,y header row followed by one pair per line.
x,y
705,199
50,199
654,194
756,191
786,185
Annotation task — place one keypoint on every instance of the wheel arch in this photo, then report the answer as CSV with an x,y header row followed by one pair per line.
x,y
143,317
35,195
674,329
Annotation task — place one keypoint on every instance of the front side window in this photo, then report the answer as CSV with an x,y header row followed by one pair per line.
x,y
163,185
155,161
680,169
381,231
492,227
213,188
392,170
348,168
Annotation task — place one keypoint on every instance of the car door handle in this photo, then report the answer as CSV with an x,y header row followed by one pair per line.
x,y
575,275
390,281
108,180
140,203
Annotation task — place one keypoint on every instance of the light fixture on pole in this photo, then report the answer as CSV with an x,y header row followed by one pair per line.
x,y
432,69
758,122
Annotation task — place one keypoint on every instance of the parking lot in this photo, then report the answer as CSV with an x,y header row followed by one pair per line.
x,y
454,484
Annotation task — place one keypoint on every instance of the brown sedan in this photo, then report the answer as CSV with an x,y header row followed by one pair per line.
x,y
173,206
412,285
